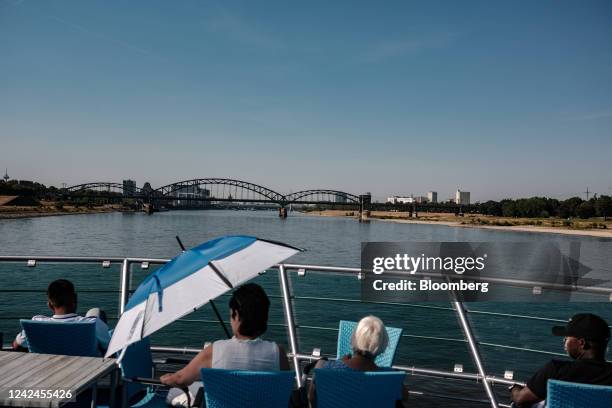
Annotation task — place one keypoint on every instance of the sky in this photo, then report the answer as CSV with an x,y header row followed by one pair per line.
x,y
502,99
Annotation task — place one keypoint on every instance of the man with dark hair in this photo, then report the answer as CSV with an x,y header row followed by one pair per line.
x,y
62,300
249,307
585,340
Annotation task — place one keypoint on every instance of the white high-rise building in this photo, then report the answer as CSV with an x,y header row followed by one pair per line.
x,y
462,197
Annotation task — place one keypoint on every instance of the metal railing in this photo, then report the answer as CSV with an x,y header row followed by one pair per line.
x,y
296,355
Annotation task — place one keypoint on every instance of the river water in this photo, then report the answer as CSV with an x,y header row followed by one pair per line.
x,y
434,339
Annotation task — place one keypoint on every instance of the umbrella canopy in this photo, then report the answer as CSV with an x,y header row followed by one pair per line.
x,y
191,280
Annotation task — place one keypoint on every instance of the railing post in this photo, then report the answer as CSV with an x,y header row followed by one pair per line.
x,y
469,335
290,322
125,286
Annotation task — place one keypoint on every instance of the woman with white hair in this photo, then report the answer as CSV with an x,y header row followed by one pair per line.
x,y
368,341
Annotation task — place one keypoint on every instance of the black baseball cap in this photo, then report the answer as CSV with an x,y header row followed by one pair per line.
x,y
584,325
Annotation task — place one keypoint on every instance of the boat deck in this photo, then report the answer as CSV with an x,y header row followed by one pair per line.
x,y
474,387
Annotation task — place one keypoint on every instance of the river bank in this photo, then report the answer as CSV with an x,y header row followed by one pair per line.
x,y
50,209
593,228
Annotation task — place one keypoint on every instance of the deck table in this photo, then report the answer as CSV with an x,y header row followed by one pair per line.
x,y
32,371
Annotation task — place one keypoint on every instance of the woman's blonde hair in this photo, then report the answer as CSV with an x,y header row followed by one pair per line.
x,y
370,337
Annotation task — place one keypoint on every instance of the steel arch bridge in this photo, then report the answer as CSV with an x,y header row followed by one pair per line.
x,y
102,187
223,189
243,190
219,189
321,196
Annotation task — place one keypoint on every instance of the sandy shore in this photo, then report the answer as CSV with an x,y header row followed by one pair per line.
x,y
49,210
13,216
518,228
399,218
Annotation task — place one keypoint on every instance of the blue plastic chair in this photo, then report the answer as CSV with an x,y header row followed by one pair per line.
x,y
385,359
353,389
562,394
70,338
138,362
247,389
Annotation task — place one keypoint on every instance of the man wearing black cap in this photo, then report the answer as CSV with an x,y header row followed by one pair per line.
x,y
585,341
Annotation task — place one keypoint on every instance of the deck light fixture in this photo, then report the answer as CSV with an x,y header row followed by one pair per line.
x,y
31,262
106,264
458,368
144,265
537,290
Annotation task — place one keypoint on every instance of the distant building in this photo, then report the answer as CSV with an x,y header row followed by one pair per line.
x,y
129,187
432,196
400,200
341,198
462,197
6,177
147,189
189,193
421,199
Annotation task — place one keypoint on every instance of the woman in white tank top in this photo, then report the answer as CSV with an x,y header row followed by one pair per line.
x,y
249,308
235,354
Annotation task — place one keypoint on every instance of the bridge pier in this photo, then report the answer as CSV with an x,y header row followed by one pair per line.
x,y
282,212
364,207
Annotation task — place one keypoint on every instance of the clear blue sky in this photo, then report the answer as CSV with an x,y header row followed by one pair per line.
x,y
503,99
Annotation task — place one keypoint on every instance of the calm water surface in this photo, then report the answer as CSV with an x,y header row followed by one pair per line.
x,y
433,336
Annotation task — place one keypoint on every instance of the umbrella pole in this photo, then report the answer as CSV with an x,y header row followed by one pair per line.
x,y
227,333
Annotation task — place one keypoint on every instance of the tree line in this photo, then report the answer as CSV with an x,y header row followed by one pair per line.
x,y
27,188
42,192
542,207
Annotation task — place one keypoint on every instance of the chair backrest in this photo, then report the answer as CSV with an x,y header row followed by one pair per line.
x,y
562,394
137,362
385,359
348,388
247,389
69,338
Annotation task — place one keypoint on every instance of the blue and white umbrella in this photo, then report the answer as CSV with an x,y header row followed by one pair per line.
x,y
191,280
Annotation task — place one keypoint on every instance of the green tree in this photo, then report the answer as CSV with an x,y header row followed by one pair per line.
x,y
531,207
491,208
509,208
552,206
603,206
568,207
585,210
